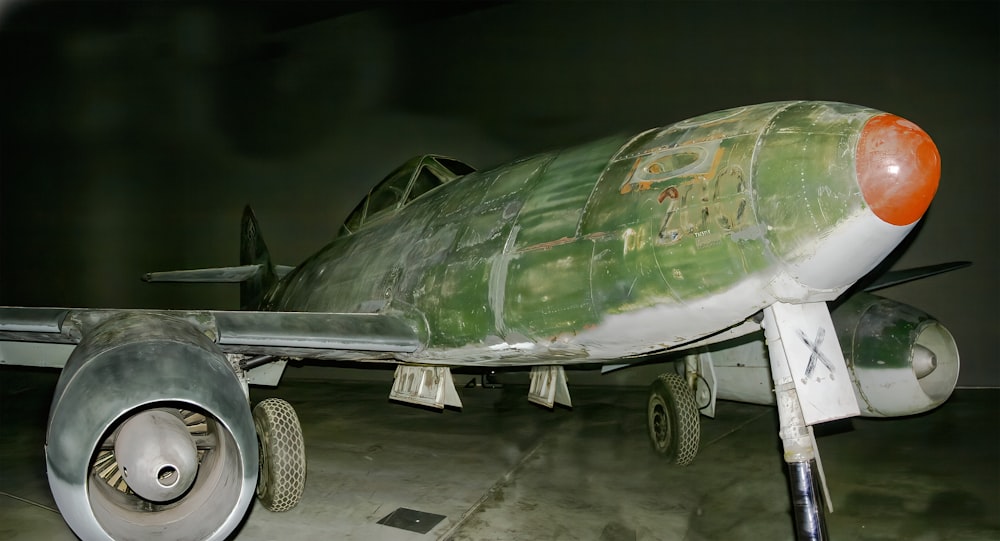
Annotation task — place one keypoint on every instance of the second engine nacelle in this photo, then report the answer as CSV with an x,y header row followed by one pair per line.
x,y
902,361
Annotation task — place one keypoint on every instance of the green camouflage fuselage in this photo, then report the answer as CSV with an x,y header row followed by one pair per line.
x,y
614,248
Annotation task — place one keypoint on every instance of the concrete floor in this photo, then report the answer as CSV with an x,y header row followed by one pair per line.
x,y
504,469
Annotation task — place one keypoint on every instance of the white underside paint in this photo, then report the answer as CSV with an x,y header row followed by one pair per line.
x,y
665,326
844,255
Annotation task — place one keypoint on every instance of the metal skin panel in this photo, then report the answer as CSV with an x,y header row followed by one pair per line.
x,y
42,354
553,207
179,365
698,226
40,320
684,237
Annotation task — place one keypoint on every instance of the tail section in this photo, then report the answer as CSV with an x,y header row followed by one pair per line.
x,y
256,274
254,252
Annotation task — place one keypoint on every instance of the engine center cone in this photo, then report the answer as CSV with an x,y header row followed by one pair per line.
x,y
158,458
898,168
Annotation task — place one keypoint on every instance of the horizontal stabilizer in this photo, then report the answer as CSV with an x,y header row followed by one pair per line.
x,y
893,278
220,275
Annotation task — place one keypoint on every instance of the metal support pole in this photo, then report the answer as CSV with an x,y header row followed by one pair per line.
x,y
807,503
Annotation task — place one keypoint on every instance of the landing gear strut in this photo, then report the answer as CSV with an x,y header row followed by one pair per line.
x,y
282,475
811,385
672,415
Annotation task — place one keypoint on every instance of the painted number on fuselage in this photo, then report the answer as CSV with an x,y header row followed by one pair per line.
x,y
704,207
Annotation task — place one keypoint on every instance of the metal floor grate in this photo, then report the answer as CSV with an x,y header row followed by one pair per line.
x,y
411,520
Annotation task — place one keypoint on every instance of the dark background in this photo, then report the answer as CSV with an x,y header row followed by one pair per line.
x,y
132,133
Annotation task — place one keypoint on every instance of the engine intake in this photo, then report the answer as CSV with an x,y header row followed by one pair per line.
x,y
172,412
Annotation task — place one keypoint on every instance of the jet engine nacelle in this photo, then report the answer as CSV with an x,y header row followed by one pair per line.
x,y
150,434
902,361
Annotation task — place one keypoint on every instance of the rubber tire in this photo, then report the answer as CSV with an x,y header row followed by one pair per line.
x,y
282,470
673,419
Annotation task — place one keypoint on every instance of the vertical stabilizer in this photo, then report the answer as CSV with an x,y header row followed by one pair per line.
x,y
253,251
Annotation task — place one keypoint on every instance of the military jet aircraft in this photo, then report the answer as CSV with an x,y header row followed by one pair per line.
x,y
677,239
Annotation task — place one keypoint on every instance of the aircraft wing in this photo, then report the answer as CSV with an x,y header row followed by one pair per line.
x,y
46,336
893,278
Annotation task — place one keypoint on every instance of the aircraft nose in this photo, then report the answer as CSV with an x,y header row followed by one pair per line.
x,y
898,168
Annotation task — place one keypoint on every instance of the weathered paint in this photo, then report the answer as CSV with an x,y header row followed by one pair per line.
x,y
884,340
618,247
622,247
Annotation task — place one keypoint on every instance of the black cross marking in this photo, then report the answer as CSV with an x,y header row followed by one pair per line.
x,y
814,353
251,231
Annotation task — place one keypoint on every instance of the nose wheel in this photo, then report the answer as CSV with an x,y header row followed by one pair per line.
x,y
282,475
672,415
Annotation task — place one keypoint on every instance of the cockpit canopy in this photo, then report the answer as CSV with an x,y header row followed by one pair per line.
x,y
409,181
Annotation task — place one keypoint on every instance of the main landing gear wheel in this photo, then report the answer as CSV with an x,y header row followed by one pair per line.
x,y
282,475
672,414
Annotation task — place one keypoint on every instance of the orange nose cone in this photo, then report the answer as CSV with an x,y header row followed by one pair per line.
x,y
898,169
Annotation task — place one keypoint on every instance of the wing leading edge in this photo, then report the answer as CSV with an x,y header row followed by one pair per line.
x,y
46,336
